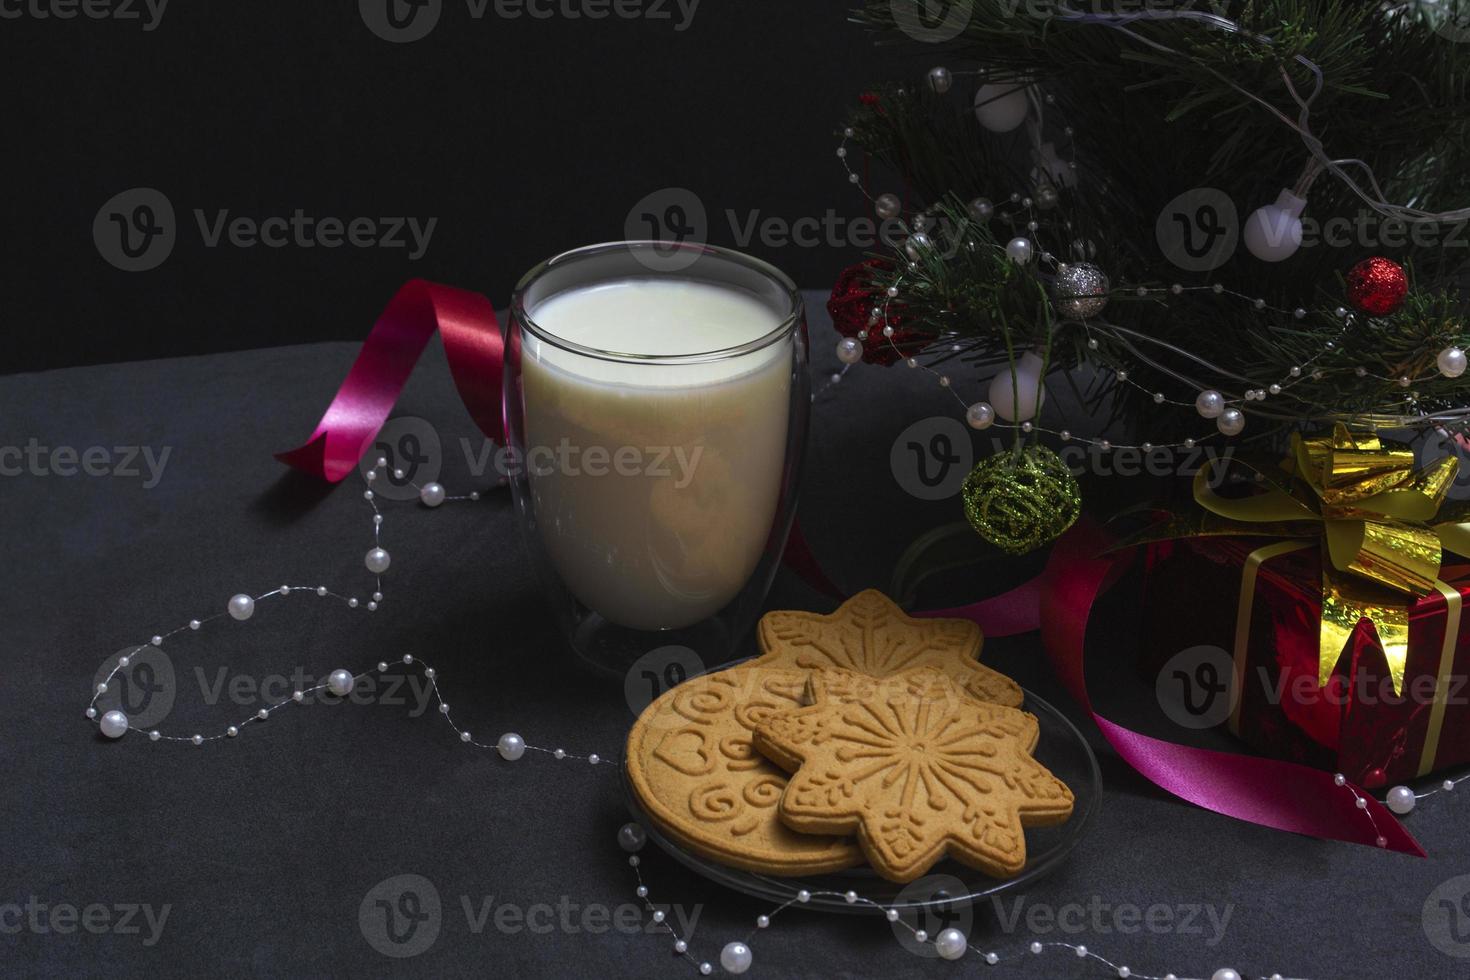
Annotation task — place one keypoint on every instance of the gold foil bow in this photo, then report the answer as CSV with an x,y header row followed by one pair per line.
x,y
1375,513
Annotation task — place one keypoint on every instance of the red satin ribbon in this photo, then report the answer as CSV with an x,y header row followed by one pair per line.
x,y
1059,602
472,342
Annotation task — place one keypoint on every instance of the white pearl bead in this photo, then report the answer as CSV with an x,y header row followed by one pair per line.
x,y
1400,800
762,921
511,746
1451,362
1124,972
242,607
398,473
321,590
197,739
950,944
124,661
559,754
1225,973
263,714
340,682
114,724
921,935
1020,250
464,736
641,891
632,837
1339,779
1447,785
372,607
432,494
298,697
1210,404
157,641
381,462
850,897
980,415
704,968
735,957
232,731
408,658
194,624
382,665
680,945
849,350
1080,951
992,958
633,861
377,597
377,561
284,590
803,896
1036,948
658,915
155,735
1231,422
91,712
352,603
594,759
429,673
102,688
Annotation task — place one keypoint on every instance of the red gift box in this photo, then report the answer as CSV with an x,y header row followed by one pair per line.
x,y
1259,601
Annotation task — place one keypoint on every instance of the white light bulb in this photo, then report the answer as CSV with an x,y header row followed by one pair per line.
x,y
1273,232
1001,108
1018,397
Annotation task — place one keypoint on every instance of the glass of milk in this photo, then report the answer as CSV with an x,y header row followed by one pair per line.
x,y
656,398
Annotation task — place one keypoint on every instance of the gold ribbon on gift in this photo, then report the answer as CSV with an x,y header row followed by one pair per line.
x,y
1380,524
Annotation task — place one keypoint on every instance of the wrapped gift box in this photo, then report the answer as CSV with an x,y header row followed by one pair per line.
x,y
1260,601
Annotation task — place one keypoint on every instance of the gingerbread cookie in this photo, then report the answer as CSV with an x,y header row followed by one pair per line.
x,y
870,635
919,773
694,770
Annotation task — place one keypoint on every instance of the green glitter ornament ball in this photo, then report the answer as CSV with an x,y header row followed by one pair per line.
x,y
1019,501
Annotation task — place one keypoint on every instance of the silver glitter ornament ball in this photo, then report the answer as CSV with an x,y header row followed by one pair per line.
x,y
1081,290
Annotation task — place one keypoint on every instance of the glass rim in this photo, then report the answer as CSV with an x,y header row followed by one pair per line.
x,y
785,328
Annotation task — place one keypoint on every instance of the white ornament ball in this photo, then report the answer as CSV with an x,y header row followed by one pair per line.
x,y
849,350
1225,973
242,606
340,682
1273,233
1020,250
950,944
377,561
1001,108
1451,362
1400,800
1080,290
432,494
114,724
1019,393
1231,422
735,957
980,415
1210,404
511,746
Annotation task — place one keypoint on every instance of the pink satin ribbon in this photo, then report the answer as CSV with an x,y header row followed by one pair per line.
x,y
1059,602
472,342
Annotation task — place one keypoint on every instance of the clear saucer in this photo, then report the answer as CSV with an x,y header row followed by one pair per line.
x,y
1061,748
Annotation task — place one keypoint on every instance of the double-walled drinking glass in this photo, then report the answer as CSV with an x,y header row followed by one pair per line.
x,y
656,400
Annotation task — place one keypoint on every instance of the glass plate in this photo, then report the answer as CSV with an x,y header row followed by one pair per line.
x,y
949,884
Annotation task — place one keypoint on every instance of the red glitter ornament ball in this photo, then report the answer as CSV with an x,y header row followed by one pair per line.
x,y
854,297
1377,286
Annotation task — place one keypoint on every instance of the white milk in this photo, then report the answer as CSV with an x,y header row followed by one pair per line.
x,y
659,504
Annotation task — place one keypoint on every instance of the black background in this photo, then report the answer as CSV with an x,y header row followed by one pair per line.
x,y
524,137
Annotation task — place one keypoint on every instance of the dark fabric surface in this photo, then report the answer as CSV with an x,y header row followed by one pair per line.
x,y
264,848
